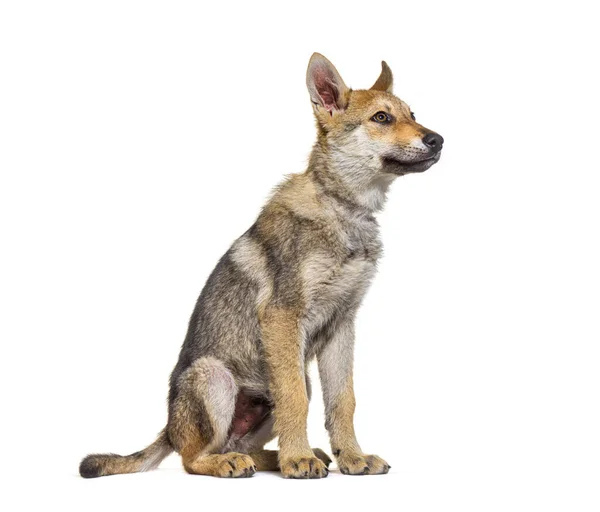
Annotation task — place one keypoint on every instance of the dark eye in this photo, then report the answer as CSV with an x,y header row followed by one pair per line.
x,y
412,114
381,117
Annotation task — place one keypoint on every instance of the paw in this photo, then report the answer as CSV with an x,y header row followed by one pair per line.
x,y
357,464
320,454
304,467
236,465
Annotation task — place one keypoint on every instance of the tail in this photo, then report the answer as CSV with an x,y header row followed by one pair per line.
x,y
110,464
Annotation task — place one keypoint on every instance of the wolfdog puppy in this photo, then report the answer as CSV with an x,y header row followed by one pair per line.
x,y
287,292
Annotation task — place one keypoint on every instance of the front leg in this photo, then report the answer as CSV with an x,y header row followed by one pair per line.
x,y
335,369
283,346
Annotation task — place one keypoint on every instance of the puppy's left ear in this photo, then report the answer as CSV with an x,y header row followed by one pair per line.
x,y
385,82
325,85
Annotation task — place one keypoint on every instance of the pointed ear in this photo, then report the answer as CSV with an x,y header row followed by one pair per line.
x,y
385,82
325,85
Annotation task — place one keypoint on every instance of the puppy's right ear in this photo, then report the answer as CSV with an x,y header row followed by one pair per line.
x,y
325,85
385,82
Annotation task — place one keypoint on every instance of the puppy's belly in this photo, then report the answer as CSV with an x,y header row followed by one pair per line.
x,y
250,411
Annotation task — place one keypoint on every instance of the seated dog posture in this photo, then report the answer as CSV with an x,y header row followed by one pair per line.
x,y
286,292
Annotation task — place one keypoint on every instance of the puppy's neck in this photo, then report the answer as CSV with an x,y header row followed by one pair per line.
x,y
351,179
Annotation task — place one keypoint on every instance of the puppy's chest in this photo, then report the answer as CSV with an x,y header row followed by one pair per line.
x,y
341,270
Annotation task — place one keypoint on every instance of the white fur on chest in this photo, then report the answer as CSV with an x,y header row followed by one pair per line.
x,y
332,288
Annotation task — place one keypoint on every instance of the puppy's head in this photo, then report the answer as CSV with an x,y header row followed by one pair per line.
x,y
371,125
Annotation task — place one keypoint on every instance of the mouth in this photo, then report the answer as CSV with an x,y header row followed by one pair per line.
x,y
400,168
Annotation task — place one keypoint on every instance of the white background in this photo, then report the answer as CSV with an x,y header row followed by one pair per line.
x,y
139,139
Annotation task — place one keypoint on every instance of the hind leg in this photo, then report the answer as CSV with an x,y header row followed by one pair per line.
x,y
200,418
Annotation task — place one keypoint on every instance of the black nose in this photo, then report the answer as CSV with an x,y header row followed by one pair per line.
x,y
433,141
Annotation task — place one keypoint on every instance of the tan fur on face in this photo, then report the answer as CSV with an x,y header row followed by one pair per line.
x,y
363,105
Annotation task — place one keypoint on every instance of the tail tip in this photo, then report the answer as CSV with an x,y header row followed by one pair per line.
x,y
90,468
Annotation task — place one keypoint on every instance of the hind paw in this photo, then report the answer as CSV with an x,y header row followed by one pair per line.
x,y
235,465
